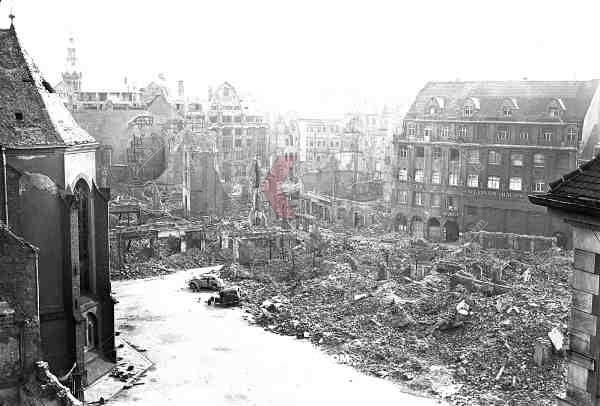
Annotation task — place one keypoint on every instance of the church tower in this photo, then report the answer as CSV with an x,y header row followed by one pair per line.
x,y
72,76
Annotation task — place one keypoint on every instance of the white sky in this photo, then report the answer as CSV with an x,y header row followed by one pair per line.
x,y
314,56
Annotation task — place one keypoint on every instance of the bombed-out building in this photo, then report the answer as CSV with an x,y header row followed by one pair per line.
x,y
469,153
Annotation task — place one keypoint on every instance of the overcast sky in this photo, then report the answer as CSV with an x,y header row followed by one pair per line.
x,y
313,56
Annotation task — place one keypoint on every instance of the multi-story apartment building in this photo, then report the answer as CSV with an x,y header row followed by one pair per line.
x,y
239,128
469,153
317,139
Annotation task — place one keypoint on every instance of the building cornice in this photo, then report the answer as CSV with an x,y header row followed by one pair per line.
x,y
458,121
474,144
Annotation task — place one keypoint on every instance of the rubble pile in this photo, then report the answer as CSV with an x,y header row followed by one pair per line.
x,y
460,339
163,262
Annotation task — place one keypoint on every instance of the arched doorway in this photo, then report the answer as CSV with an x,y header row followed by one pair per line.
x,y
417,227
82,194
451,230
434,231
400,222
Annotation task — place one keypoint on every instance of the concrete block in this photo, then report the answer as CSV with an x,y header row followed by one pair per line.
x,y
582,301
580,342
586,261
578,376
584,322
585,239
585,281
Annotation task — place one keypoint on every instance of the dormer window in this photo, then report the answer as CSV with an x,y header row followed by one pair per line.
x,y
434,106
508,105
468,110
19,115
556,107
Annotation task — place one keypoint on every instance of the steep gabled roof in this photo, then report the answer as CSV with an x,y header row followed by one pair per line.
x,y
532,98
577,191
31,113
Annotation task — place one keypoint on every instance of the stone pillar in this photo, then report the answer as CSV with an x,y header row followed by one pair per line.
x,y
584,324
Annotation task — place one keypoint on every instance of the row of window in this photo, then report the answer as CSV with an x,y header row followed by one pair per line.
x,y
493,182
235,119
321,129
418,199
501,135
324,143
553,109
473,156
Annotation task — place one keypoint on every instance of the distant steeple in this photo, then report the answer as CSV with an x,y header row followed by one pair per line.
x,y
12,18
72,75
71,56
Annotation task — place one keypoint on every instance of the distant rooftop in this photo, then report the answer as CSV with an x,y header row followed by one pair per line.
x,y
528,100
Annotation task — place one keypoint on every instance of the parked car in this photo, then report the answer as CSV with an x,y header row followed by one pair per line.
x,y
206,282
229,296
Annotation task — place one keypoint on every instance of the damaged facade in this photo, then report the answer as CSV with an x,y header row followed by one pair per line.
x,y
472,151
55,237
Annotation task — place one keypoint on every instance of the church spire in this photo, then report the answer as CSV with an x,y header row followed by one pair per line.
x,y
72,75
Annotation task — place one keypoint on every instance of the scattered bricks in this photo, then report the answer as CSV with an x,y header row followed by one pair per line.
x,y
542,351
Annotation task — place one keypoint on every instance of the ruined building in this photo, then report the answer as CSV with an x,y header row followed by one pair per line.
x,y
575,198
470,152
55,295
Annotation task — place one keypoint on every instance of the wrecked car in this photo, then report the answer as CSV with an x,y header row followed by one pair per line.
x,y
206,282
230,296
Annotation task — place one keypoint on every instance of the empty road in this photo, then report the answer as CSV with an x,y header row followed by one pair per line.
x,y
211,356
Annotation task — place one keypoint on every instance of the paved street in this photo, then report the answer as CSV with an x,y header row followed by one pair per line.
x,y
212,356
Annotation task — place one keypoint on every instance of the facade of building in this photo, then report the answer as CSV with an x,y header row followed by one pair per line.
x,y
317,139
470,152
50,200
228,133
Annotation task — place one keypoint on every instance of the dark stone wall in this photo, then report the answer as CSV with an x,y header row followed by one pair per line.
x,y
103,286
19,316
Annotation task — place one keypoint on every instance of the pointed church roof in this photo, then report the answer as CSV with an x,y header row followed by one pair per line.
x,y
31,113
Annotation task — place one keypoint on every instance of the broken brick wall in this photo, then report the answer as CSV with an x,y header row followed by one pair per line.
x,y
207,192
20,341
502,241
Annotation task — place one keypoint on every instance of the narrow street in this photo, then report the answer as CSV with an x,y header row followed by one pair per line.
x,y
212,356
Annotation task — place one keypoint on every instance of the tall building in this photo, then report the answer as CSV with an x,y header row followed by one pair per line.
x,y
53,214
470,152
317,139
